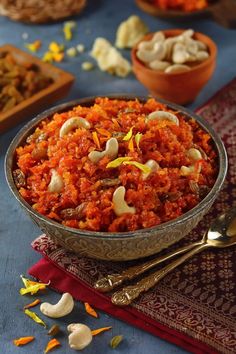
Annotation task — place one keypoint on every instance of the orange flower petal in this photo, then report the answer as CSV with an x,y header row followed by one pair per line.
x,y
53,343
32,304
90,310
100,330
23,340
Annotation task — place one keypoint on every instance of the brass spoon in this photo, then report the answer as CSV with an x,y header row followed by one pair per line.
x,y
222,233
111,281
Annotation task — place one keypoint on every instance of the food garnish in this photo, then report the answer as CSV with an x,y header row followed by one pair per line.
x,y
52,344
23,340
115,341
90,310
35,317
95,332
32,304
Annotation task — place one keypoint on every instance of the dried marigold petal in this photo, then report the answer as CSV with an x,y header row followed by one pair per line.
x,y
137,138
23,340
31,286
34,317
100,330
67,29
52,344
104,132
32,304
117,162
96,139
128,136
90,310
142,167
115,341
33,47
131,145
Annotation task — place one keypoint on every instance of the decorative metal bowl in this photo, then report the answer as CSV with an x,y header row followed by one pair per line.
x,y
117,246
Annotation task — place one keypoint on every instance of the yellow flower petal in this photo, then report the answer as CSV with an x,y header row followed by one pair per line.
x,y
137,138
128,135
117,162
34,317
142,167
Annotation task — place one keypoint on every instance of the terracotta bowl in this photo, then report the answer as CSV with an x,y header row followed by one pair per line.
x,y
180,88
117,246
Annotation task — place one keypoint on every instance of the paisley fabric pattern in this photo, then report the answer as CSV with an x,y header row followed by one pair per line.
x,y
199,297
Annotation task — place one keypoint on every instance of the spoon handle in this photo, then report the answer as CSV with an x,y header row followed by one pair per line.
x,y
128,294
111,281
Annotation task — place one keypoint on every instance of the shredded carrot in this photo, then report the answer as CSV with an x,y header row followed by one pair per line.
x,y
53,343
100,330
23,340
104,132
96,139
32,304
90,310
131,145
116,124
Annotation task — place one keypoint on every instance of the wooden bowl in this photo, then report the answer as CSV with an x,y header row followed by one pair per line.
x,y
26,109
182,87
222,11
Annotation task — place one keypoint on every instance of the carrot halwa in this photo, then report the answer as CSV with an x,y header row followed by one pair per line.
x,y
116,166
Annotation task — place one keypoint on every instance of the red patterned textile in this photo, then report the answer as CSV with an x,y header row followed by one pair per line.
x,y
195,305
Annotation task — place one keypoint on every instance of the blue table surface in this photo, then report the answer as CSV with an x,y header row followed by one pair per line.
x,y
100,18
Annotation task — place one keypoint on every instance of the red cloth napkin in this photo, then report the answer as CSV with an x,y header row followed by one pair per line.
x,y
195,305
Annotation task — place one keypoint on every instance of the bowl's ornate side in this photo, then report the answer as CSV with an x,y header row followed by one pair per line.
x,y
151,242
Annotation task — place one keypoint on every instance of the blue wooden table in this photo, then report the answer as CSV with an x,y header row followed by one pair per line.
x,y
100,18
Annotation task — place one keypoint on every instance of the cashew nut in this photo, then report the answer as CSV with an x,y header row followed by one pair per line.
x,y
110,151
119,204
154,166
185,171
202,55
194,154
64,306
177,68
178,50
159,65
56,184
156,53
180,54
162,115
80,336
72,123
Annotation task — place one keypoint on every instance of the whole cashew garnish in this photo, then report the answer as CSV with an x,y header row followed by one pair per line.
x,y
185,171
56,184
72,123
159,65
163,115
154,166
156,53
110,151
194,154
64,306
120,206
177,68
80,336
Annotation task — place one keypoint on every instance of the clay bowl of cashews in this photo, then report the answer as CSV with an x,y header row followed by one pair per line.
x,y
116,246
174,64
